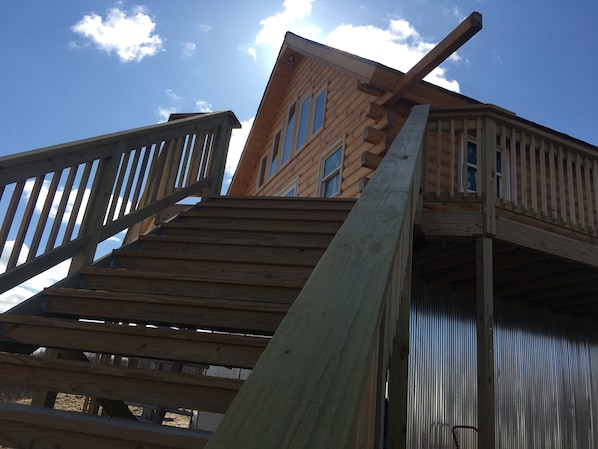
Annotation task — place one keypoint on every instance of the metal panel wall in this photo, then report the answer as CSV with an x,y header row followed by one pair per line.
x,y
546,382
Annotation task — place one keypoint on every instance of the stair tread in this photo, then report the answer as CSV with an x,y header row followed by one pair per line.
x,y
172,246
168,300
255,225
165,388
217,276
210,348
205,313
20,423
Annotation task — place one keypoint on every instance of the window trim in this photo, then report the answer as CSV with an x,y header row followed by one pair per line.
x,y
275,160
294,185
263,170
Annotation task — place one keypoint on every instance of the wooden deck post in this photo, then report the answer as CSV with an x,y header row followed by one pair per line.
x,y
398,380
485,343
489,176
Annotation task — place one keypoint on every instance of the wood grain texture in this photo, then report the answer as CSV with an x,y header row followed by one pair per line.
x,y
309,384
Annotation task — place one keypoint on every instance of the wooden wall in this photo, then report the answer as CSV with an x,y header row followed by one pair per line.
x,y
344,121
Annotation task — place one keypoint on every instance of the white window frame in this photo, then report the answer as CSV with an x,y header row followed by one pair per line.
x,y
290,187
340,144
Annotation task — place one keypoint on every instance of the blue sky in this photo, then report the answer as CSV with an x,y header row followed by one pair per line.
x,y
74,69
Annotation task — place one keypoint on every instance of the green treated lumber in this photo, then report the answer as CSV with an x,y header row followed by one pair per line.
x,y
307,388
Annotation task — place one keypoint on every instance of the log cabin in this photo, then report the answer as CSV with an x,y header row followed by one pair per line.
x,y
394,265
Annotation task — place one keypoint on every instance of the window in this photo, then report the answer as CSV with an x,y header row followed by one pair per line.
x,y
472,166
319,112
330,177
472,170
288,135
290,190
302,131
262,173
275,151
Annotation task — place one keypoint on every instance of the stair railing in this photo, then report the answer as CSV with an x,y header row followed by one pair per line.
x,y
321,381
60,202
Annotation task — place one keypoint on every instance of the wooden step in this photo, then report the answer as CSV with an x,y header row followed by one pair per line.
x,y
247,237
223,251
200,285
193,266
198,312
280,202
169,389
139,341
198,223
26,426
205,210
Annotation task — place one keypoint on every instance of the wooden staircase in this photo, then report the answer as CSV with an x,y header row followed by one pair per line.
x,y
206,289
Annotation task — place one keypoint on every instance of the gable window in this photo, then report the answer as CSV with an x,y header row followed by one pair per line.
x,y
288,134
319,107
261,177
302,130
330,173
275,151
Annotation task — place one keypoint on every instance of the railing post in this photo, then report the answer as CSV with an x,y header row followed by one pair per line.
x,y
485,344
95,212
489,180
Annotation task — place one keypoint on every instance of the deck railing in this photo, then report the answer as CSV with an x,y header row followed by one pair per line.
x,y
321,381
60,202
537,172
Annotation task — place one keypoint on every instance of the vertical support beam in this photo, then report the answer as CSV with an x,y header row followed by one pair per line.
x,y
485,343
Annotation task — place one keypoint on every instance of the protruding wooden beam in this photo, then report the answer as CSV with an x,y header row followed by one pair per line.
x,y
375,111
451,43
370,160
375,135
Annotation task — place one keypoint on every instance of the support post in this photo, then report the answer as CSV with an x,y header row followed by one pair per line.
x,y
489,176
485,344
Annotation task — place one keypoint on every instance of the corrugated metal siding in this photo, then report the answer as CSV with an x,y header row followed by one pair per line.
x,y
546,382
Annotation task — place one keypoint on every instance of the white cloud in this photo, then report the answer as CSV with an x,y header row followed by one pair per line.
x,y
163,112
203,106
274,27
32,286
131,37
398,45
235,148
189,48
205,28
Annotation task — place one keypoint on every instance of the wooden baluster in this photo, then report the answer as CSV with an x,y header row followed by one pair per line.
x,y
588,182
115,197
24,227
10,212
506,178
43,216
579,192
553,183
544,181
58,218
533,181
481,159
438,157
513,172
523,155
562,193
131,177
81,189
571,189
452,160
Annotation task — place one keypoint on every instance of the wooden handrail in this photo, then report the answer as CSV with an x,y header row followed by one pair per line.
x,y
62,201
320,381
